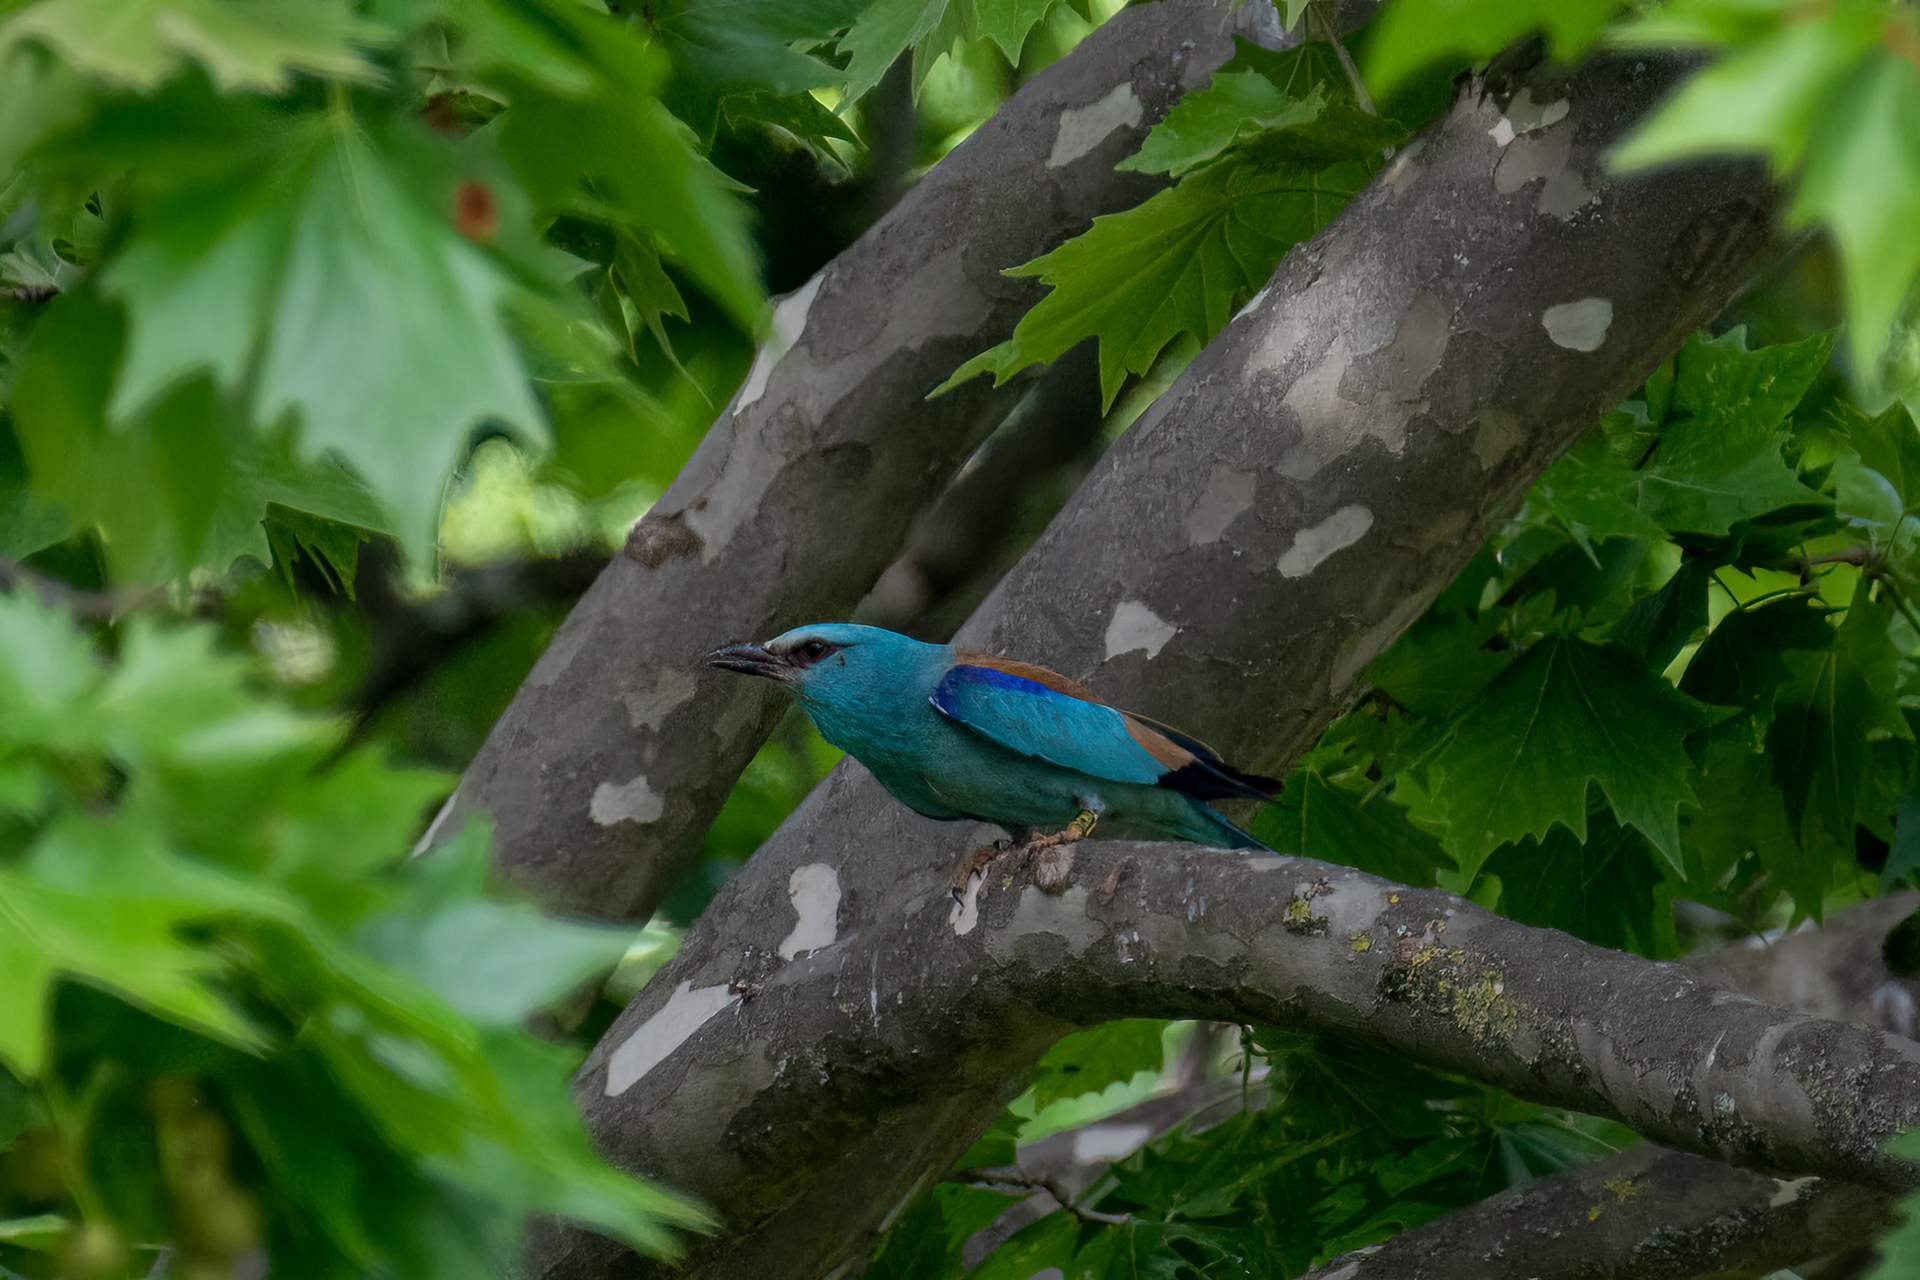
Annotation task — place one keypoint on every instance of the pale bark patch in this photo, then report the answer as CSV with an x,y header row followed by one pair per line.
x,y
1228,493
815,892
1135,626
1578,326
632,801
1315,543
649,706
1084,128
1109,1141
789,323
687,1010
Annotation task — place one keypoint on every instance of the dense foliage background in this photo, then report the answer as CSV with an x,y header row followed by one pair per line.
x,y
340,343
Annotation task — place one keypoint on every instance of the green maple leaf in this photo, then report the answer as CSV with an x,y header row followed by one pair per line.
x,y
242,44
1202,125
1716,459
1659,624
1820,742
752,41
1088,1061
1737,810
1890,445
1181,263
1742,663
1317,817
1008,23
883,30
1566,713
366,318
1607,890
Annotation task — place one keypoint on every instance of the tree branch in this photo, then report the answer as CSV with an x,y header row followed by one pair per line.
x,y
619,749
1649,1213
1272,523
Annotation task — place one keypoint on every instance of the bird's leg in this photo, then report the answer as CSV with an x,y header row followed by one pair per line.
x,y
1078,829
976,864
1053,855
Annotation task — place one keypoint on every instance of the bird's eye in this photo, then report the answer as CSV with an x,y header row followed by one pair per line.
x,y
813,648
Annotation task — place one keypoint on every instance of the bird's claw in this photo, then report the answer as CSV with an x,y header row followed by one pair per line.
x,y
976,864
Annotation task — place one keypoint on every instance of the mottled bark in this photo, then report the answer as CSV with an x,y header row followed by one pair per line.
x,y
1648,1214
1654,1213
834,1032
617,752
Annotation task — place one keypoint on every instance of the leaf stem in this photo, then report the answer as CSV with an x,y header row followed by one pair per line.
x,y
1741,606
1322,12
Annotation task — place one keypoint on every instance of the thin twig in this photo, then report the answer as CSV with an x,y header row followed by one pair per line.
x,y
1330,32
1011,1176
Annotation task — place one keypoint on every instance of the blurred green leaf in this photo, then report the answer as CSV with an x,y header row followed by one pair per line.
x,y
241,44
1413,33
377,324
230,917
496,963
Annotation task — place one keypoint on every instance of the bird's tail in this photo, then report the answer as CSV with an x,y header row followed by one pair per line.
x,y
1232,837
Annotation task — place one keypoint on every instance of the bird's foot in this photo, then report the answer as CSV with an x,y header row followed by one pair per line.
x,y
1053,855
976,864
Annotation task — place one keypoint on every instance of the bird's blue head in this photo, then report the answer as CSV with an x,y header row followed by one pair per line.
x,y
821,655
842,672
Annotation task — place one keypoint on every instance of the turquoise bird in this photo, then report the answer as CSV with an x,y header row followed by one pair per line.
x,y
955,734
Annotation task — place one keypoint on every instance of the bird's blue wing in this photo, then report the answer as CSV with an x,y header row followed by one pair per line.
x,y
1028,717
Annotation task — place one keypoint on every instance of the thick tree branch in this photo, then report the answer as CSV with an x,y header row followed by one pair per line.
x,y
1283,511
620,747
1294,942
1657,1213
1647,1214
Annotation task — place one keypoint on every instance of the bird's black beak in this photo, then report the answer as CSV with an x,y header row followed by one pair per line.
x,y
750,660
